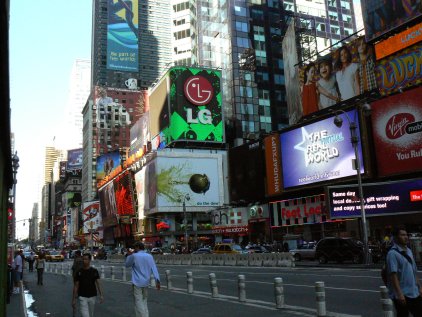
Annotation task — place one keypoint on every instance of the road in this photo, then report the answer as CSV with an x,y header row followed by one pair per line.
x,y
348,291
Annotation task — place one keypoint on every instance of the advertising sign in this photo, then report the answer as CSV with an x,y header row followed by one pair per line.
x,y
319,152
380,17
195,105
108,205
74,159
141,191
398,42
122,35
346,73
380,199
299,211
273,164
397,132
231,220
150,194
107,164
63,168
290,60
198,177
91,216
123,194
139,134
400,70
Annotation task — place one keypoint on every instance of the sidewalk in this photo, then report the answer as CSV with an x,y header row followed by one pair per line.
x,y
17,303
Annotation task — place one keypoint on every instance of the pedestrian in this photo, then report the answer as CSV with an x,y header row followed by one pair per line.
x,y
40,265
31,259
86,286
404,288
77,263
143,265
17,267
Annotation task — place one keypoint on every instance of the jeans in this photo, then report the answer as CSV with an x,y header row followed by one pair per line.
x,y
40,273
140,295
86,306
413,305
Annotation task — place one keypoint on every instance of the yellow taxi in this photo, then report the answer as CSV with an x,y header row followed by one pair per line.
x,y
54,256
227,248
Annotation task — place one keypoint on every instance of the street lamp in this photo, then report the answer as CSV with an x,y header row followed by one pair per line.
x,y
15,167
185,220
354,138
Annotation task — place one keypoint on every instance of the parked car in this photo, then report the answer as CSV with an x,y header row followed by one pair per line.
x,y
51,256
202,251
257,249
304,251
339,250
156,251
228,248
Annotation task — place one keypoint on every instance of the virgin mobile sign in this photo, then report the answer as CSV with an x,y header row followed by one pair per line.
x,y
397,131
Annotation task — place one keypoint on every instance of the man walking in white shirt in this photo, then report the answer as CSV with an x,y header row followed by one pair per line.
x,y
142,265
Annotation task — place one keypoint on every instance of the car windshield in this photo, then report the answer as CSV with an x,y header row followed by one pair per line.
x,y
54,253
237,247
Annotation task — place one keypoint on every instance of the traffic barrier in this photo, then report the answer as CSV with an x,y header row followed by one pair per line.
x,y
187,259
269,259
196,259
152,280
255,259
213,284
241,286
386,303
207,259
69,269
279,292
102,275
62,269
230,259
242,259
177,259
320,299
218,259
168,278
112,272
285,259
189,282
124,273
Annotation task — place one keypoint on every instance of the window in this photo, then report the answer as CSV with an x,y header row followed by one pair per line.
x,y
279,79
241,26
321,27
242,42
239,11
257,14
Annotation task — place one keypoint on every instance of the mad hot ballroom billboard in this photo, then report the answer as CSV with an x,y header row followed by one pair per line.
x,y
106,164
122,35
318,152
74,159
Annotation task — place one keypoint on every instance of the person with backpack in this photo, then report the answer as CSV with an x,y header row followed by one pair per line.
x,y
403,285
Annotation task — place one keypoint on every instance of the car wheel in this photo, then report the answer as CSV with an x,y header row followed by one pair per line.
x,y
357,259
322,259
297,257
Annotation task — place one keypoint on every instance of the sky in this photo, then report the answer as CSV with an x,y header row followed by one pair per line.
x,y
45,38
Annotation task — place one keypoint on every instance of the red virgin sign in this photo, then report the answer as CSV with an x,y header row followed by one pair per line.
x,y
395,123
198,90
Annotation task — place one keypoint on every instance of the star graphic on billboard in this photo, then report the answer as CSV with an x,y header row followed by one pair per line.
x,y
302,146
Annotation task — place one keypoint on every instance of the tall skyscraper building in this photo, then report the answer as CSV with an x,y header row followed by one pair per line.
x,y
33,225
79,88
131,39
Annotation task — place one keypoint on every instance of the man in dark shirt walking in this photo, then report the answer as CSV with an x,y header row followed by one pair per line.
x,y
86,284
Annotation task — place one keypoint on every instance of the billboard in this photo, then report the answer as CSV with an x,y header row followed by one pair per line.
x,y
187,105
107,163
122,35
139,134
398,42
74,159
141,191
230,221
291,62
319,151
397,133
380,17
298,211
190,174
91,216
345,73
400,70
273,164
123,193
108,205
380,199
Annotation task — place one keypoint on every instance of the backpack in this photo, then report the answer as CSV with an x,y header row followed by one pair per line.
x,y
384,274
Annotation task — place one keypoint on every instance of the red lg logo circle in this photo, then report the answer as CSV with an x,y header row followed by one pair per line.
x,y
198,90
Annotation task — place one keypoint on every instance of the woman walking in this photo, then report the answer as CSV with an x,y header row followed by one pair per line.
x,y
39,265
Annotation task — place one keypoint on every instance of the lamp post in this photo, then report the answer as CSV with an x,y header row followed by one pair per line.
x,y
354,138
15,167
185,221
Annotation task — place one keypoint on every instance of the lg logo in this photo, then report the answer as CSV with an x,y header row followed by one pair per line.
x,y
198,90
